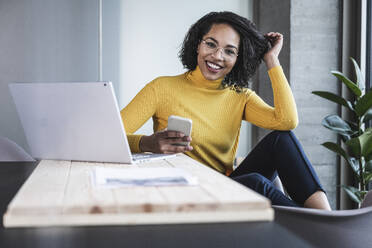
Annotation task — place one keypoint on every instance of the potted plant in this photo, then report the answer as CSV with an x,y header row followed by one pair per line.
x,y
357,139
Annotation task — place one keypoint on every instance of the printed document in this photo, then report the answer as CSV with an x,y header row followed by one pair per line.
x,y
129,177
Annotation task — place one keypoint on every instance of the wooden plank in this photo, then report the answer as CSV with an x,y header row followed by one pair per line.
x,y
188,199
142,199
141,219
39,197
39,194
163,199
80,195
71,199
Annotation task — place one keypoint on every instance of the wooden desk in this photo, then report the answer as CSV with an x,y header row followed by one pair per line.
x,y
218,235
60,193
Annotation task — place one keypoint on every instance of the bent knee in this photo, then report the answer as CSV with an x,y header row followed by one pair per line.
x,y
252,180
255,176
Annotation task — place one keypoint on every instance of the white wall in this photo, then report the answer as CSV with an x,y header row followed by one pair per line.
x,y
44,40
148,36
56,40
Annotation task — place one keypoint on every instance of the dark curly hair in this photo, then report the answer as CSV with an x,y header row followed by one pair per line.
x,y
253,45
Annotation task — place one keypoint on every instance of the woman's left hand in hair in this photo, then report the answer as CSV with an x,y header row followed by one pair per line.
x,y
271,56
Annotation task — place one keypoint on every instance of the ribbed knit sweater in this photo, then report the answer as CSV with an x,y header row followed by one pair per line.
x,y
216,113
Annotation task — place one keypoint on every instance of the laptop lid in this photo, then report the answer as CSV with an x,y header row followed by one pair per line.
x,y
72,121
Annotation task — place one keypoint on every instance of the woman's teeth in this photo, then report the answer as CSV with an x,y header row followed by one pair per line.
x,y
214,66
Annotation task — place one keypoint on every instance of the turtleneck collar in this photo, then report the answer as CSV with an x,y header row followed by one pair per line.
x,y
197,78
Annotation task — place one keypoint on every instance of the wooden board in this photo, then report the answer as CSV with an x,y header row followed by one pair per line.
x,y
61,193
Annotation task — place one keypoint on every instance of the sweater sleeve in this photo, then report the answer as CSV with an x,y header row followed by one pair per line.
x,y
284,114
137,112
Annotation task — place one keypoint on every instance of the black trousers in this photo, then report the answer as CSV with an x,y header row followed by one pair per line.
x,y
281,153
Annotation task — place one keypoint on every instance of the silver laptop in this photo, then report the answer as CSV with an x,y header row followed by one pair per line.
x,y
74,121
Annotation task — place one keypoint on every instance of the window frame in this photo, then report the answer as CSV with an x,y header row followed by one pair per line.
x,y
368,48
368,66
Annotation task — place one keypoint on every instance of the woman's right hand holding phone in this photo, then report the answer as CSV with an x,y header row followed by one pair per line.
x,y
165,142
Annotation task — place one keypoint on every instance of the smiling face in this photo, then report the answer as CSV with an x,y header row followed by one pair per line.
x,y
217,63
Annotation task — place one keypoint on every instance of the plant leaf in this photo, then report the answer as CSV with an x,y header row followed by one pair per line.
x,y
338,149
336,124
368,166
367,116
365,141
363,104
368,157
359,76
353,126
352,192
355,164
333,98
367,176
351,85
354,145
344,138
363,194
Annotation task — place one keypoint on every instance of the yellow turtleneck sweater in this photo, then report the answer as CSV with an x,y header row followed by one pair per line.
x,y
216,113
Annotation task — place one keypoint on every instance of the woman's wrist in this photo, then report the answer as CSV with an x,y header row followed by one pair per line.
x,y
143,144
271,61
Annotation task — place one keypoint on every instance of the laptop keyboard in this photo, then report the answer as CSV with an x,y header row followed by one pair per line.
x,y
142,157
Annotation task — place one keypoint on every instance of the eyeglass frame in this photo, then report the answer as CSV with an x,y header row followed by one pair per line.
x,y
204,41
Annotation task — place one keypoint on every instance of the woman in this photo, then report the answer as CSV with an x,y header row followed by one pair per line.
x,y
221,52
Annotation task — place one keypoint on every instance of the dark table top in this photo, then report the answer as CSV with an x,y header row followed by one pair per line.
x,y
242,234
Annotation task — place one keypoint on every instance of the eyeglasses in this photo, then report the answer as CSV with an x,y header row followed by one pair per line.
x,y
228,53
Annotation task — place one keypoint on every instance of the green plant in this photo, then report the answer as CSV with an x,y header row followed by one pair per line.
x,y
357,138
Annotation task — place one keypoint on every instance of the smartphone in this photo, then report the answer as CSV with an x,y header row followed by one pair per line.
x,y
180,124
